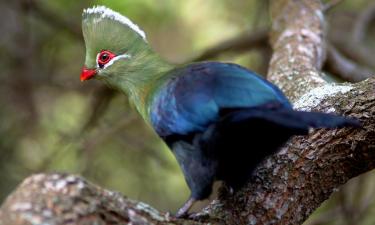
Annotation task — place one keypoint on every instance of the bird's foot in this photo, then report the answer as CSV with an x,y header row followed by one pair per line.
x,y
230,190
167,215
193,216
198,216
183,211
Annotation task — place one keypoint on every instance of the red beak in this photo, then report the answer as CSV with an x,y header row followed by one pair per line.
x,y
87,74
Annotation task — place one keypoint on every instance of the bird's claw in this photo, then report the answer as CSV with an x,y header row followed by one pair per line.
x,y
183,211
191,216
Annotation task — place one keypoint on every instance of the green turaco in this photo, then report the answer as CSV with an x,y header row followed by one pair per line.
x,y
220,120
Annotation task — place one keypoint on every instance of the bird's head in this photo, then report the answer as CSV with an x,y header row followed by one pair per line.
x,y
115,46
117,52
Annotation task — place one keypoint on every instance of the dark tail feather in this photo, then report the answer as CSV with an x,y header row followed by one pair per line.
x,y
324,120
263,131
298,122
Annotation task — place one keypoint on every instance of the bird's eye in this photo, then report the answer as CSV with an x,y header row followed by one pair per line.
x,y
104,57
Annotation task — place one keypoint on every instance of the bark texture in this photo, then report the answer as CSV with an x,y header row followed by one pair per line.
x,y
297,39
285,189
69,199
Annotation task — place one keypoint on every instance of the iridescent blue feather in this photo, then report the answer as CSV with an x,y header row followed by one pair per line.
x,y
193,99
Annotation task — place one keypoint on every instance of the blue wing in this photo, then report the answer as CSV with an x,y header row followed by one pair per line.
x,y
194,96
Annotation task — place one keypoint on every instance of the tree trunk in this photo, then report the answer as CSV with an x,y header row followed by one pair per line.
x,y
285,189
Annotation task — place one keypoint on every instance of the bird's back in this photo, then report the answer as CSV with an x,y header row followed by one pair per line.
x,y
194,95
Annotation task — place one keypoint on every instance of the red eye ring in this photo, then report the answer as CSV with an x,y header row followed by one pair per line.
x,y
104,57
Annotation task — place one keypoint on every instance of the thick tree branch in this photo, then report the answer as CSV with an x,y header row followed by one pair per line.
x,y
298,45
68,199
285,189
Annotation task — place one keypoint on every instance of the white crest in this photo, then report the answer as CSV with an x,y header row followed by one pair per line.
x,y
110,14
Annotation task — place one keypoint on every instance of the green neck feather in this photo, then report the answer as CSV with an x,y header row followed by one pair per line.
x,y
148,71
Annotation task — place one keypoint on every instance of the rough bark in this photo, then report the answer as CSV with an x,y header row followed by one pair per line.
x,y
69,199
285,189
297,39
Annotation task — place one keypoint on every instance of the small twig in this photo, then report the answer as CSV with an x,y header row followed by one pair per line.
x,y
99,105
241,43
88,149
361,25
356,52
107,132
352,45
53,18
330,5
345,68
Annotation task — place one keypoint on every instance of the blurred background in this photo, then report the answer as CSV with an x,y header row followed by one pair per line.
x,y
50,121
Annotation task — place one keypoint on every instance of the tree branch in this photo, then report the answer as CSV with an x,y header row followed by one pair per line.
x,y
245,42
345,68
68,199
52,18
285,189
298,46
354,46
363,22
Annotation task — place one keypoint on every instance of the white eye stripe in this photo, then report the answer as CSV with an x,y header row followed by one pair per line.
x,y
114,59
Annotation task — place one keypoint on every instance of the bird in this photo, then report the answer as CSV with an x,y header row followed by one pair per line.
x,y
220,120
